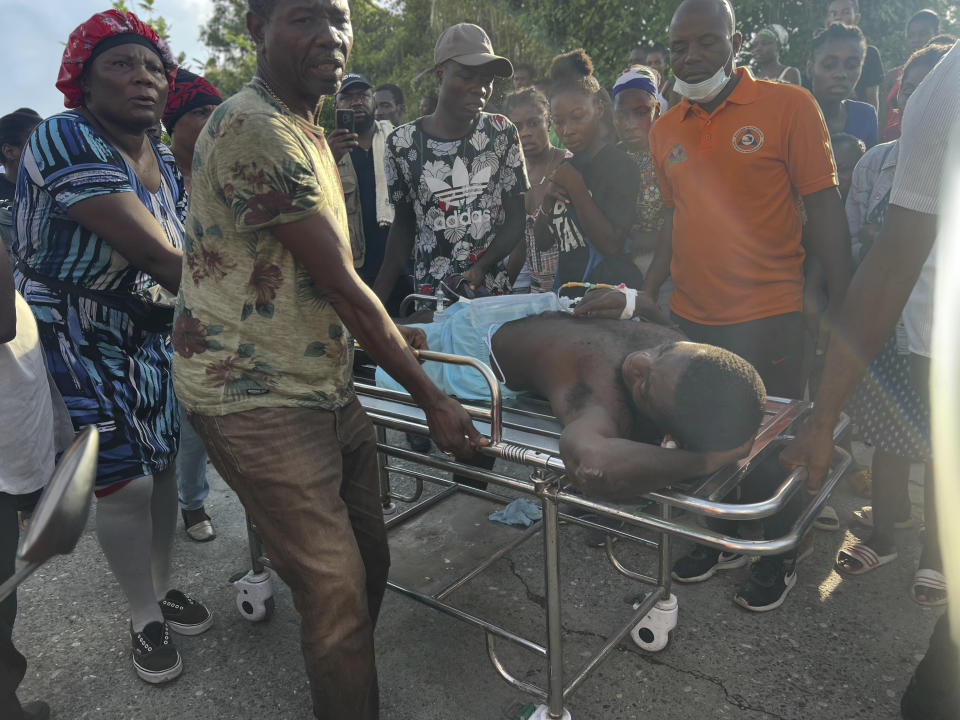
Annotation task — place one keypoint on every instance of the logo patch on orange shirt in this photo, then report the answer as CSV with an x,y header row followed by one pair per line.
x,y
677,155
748,139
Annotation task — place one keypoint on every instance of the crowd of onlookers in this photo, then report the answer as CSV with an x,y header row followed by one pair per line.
x,y
201,294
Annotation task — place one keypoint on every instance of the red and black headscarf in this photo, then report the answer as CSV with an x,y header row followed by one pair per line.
x,y
191,91
101,32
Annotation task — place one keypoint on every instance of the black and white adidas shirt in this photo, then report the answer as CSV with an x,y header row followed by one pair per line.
x,y
457,189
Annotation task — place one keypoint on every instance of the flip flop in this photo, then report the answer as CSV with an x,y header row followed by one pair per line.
x,y
827,519
864,516
929,580
865,555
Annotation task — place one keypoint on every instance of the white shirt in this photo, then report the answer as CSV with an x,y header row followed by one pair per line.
x,y
928,120
26,410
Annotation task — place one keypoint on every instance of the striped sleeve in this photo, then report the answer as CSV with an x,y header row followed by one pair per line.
x,y
72,162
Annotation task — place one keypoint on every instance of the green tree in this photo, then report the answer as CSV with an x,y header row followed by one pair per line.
x,y
147,12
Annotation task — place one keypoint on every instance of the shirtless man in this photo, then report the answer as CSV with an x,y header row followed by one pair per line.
x,y
618,387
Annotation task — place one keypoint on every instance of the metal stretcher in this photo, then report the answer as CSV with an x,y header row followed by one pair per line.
x,y
526,433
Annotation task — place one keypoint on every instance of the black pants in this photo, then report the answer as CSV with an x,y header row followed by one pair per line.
x,y
13,666
774,346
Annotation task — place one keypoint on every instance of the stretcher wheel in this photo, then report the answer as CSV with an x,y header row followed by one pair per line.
x,y
653,632
543,713
255,596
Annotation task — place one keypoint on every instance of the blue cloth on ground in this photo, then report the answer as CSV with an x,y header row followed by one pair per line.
x,y
462,329
520,512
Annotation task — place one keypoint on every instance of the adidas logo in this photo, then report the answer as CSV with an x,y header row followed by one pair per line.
x,y
462,188
460,219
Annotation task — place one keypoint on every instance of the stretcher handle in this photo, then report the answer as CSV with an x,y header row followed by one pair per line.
x,y
496,397
405,303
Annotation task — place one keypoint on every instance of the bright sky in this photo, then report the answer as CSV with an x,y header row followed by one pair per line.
x,y
35,31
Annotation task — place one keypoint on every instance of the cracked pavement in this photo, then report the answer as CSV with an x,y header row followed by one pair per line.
x,y
838,648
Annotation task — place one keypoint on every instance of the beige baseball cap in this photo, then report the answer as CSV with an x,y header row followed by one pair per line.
x,y
468,44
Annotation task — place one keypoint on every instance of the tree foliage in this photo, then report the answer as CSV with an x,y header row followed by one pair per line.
x,y
146,11
394,40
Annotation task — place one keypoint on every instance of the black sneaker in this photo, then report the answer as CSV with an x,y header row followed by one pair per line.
x,y
703,562
185,615
771,578
155,658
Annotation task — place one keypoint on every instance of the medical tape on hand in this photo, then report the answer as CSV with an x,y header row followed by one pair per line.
x,y
631,305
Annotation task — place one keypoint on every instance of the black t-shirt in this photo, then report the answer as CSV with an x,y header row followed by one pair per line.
x,y
872,73
613,180
6,188
374,234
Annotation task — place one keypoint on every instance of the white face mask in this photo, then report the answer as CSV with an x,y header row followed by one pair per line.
x,y
705,90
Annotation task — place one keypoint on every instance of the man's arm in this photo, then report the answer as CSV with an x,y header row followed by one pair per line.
x,y
398,251
319,244
829,240
659,269
612,468
874,301
8,301
504,241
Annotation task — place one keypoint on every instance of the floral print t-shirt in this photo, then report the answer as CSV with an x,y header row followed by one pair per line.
x,y
457,189
251,329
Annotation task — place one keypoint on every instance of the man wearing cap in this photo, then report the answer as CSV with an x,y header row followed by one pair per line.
x,y
359,155
270,304
456,176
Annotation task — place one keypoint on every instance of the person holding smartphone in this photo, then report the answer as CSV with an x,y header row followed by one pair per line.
x,y
358,144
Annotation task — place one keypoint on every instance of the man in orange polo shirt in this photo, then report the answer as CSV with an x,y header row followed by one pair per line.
x,y
734,158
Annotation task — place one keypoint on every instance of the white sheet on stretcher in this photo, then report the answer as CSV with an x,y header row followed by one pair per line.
x,y
463,329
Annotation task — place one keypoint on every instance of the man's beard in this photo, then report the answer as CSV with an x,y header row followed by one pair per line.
x,y
362,123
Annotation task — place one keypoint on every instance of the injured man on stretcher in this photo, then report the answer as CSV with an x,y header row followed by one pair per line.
x,y
619,387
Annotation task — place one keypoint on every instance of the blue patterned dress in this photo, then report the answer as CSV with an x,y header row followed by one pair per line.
x,y
111,372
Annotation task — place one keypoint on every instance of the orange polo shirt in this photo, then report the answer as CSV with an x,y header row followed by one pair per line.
x,y
733,179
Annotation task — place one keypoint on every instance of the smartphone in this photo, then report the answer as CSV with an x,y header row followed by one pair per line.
x,y
346,120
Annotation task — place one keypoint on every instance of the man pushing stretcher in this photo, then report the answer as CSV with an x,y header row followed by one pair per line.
x,y
618,386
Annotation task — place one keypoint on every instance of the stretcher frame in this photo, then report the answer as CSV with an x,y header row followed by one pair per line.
x,y
530,438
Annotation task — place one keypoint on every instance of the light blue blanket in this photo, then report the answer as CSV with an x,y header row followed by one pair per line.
x,y
463,329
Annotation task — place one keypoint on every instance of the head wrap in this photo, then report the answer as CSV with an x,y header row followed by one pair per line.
x,y
190,92
82,46
778,33
636,76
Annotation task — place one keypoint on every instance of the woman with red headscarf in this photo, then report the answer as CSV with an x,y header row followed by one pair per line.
x,y
98,230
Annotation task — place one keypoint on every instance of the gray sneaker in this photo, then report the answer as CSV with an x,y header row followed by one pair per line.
x,y
155,658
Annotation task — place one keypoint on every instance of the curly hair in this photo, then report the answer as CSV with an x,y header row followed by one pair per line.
x,y
838,32
719,402
528,96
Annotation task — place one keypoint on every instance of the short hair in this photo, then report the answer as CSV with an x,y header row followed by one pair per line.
x,y
263,8
658,47
943,39
926,16
725,5
573,71
528,96
838,32
393,90
843,138
927,56
17,126
719,402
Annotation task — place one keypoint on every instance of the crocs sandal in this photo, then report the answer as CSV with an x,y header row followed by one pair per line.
x,y
863,554
864,516
929,580
827,519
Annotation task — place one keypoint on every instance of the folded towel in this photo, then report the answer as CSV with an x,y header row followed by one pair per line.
x,y
520,512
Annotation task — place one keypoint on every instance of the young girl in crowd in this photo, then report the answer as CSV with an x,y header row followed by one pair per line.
x,y
529,110
834,67
885,405
590,201
767,46
635,107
